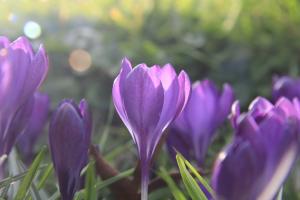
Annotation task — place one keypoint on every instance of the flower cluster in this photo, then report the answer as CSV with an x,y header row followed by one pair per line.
x,y
156,105
192,132
262,153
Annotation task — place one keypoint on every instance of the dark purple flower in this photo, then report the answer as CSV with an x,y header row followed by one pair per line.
x,y
262,153
21,73
192,132
34,126
148,100
69,139
285,86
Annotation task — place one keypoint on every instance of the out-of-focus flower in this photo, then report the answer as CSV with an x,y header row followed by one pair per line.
x,y
21,73
34,126
285,86
148,100
192,132
262,153
69,139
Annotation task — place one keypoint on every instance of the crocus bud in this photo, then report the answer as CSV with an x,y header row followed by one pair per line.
x,y
262,153
21,73
285,86
34,126
69,139
148,100
191,133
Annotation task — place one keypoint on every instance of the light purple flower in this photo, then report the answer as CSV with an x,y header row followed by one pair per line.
x,y
285,86
148,100
21,73
262,153
191,133
34,126
69,139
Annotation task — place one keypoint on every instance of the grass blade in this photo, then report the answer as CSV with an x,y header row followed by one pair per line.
x,y
25,184
177,194
199,177
114,179
90,189
45,176
189,182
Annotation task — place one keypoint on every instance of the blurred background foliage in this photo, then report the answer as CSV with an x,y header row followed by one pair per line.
x,y
242,42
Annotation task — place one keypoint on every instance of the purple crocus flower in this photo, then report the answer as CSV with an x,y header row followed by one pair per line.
x,y
148,100
69,139
262,153
21,73
285,86
192,132
34,127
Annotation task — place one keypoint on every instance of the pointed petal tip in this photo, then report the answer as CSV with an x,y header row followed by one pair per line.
x,y
126,64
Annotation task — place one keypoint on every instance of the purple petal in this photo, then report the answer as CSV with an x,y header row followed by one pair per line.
x,y
34,127
23,44
287,107
285,86
143,101
259,107
69,147
184,91
4,42
116,91
169,81
225,102
15,126
235,114
239,160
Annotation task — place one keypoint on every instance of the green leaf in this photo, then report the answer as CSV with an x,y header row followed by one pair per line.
x,y
199,177
45,176
55,196
189,182
114,179
25,184
177,194
90,189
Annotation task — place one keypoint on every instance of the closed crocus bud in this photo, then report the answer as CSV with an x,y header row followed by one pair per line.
x,y
21,73
69,139
285,86
192,132
34,126
148,100
262,153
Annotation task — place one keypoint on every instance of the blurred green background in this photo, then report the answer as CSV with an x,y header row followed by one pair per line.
x,y
242,42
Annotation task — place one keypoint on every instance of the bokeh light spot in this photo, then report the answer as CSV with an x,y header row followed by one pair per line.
x,y
80,60
12,17
32,30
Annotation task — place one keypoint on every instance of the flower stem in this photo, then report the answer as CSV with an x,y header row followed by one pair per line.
x,y
144,180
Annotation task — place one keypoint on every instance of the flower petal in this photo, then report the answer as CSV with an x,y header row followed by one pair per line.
x,y
143,99
184,91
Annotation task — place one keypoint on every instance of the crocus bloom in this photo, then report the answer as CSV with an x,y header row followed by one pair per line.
x,y
69,139
34,127
193,130
21,73
285,86
148,100
262,153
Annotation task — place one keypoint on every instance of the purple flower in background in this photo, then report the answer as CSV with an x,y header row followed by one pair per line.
x,y
69,139
285,86
262,153
148,100
34,126
21,73
192,132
